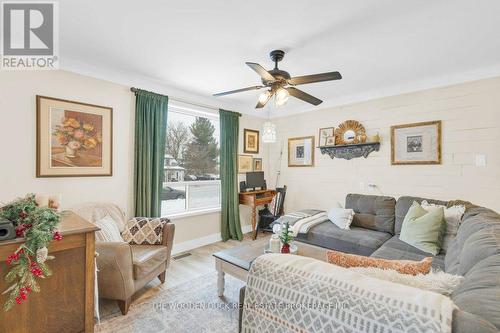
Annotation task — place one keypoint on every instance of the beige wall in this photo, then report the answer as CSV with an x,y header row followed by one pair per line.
x,y
17,136
17,144
470,115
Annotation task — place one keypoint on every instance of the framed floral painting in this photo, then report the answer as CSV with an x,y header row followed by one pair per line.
x,y
250,141
73,139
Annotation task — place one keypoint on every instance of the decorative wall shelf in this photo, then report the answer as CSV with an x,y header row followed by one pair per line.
x,y
348,152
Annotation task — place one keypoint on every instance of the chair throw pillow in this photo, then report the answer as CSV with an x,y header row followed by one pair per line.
x,y
436,281
341,217
109,230
452,217
423,229
402,266
144,230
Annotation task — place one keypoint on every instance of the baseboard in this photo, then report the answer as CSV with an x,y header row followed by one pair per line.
x,y
202,241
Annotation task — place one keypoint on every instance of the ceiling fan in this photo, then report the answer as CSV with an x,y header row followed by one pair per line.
x,y
280,84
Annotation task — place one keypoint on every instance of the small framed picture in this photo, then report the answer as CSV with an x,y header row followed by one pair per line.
x,y
323,135
418,143
330,141
257,164
250,141
301,151
245,163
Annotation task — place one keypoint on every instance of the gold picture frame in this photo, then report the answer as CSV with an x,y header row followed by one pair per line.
x,y
323,135
250,141
349,132
257,164
245,163
73,139
416,144
301,151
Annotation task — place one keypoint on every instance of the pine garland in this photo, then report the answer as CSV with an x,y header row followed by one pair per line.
x,y
28,263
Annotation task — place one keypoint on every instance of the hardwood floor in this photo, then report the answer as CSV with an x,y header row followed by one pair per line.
x,y
199,262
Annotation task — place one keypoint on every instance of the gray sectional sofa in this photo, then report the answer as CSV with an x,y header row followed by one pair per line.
x,y
474,253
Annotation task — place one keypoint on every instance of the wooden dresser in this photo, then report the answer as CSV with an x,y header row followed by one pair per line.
x,y
66,300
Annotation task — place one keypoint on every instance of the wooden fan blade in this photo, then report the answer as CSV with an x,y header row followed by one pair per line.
x,y
261,71
261,105
315,78
304,96
238,90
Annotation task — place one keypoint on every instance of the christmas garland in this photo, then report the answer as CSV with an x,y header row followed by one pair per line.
x,y
28,263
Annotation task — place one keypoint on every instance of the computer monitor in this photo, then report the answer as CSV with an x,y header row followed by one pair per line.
x,y
255,179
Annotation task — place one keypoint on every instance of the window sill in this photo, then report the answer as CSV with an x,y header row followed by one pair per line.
x,y
180,216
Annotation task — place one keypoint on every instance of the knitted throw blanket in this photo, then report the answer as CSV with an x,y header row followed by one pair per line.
x,y
289,293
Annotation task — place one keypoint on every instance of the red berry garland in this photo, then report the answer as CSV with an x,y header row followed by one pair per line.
x,y
37,225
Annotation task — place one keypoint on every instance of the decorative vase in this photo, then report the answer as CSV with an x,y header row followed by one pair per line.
x,y
274,244
70,152
285,248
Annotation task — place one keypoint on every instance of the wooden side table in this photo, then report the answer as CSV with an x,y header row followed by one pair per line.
x,y
254,199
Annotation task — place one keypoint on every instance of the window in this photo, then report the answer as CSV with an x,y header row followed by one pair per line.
x,y
192,179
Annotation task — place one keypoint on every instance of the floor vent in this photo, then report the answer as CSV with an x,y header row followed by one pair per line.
x,y
180,256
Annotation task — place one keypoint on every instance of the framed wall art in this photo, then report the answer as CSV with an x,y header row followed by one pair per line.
x,y
245,163
257,164
418,143
324,134
250,141
301,151
73,139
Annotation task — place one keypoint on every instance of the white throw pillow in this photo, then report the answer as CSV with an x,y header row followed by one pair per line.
x,y
436,281
109,230
341,217
452,217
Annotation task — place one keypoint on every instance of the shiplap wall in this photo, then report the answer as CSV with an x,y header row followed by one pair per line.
x,y
470,115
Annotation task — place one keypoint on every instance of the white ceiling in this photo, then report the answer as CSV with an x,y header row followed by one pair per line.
x,y
196,48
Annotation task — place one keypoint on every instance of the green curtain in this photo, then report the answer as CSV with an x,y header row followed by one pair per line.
x,y
230,210
149,152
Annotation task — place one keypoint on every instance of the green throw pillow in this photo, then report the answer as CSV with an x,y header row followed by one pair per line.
x,y
423,229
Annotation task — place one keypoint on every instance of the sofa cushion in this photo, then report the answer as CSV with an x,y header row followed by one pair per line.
x,y
423,229
402,266
402,206
474,220
465,322
470,248
147,258
355,240
396,249
479,293
372,211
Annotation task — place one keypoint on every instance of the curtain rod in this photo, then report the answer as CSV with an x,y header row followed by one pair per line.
x,y
134,90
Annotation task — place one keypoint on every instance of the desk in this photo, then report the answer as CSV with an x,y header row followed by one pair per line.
x,y
66,300
254,199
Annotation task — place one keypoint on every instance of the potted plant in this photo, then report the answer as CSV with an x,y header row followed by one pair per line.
x,y
286,238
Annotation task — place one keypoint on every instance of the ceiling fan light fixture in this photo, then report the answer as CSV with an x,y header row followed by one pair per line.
x,y
281,97
264,97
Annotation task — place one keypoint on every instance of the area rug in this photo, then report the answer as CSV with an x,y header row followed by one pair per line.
x,y
189,307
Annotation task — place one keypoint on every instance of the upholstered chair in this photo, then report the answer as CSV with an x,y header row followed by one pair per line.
x,y
123,268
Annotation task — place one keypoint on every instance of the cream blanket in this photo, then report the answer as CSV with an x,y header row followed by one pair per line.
x,y
302,220
288,293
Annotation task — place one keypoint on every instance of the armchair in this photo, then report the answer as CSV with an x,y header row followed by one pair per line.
x,y
124,268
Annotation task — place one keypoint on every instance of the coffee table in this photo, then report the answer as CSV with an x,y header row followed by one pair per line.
x,y
236,261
